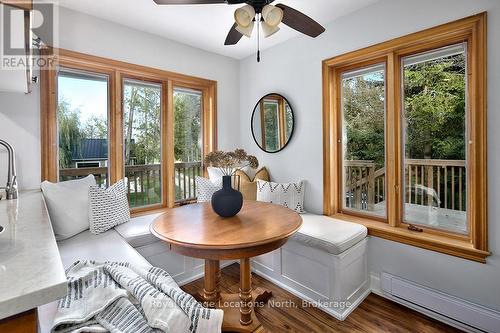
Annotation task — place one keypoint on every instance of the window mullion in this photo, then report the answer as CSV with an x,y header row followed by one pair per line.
x,y
116,128
393,140
168,138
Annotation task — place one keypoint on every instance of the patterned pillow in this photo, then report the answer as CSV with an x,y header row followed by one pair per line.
x,y
290,195
108,207
248,184
205,188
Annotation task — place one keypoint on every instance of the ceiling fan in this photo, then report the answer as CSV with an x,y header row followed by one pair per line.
x,y
262,13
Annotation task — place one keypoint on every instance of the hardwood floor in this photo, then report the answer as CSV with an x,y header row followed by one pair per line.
x,y
285,313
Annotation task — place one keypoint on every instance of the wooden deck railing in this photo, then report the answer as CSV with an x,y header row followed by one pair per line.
x,y
144,181
439,183
185,185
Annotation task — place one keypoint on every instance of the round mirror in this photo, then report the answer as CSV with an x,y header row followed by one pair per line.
x,y
272,123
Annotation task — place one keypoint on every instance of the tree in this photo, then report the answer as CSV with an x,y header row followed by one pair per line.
x,y
96,127
271,126
187,127
364,98
70,134
435,108
142,124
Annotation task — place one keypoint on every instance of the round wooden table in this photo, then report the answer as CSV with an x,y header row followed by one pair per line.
x,y
196,231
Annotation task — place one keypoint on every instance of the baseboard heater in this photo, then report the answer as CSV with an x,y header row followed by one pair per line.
x,y
452,310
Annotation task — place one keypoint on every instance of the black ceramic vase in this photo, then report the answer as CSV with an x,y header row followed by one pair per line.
x,y
227,201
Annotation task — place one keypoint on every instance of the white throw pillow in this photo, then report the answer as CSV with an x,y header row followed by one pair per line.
x,y
68,205
290,195
215,174
205,188
108,207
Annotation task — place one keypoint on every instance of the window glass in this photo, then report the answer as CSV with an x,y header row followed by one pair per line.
x,y
435,138
288,121
363,128
142,142
82,123
187,142
271,125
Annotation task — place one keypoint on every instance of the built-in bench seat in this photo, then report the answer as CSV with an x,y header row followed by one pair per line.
x,y
325,262
108,246
332,236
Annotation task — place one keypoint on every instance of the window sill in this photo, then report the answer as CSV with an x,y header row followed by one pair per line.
x,y
458,248
150,210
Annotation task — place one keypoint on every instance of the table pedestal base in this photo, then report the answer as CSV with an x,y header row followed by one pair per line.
x,y
239,314
230,304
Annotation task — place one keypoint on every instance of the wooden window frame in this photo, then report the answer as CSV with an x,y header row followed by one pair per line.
x,y
474,245
117,72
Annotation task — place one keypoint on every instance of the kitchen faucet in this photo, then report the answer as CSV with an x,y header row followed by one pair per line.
x,y
11,187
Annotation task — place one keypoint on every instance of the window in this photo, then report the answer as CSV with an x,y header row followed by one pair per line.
x,y
405,138
115,120
142,141
363,140
82,122
434,119
187,142
288,122
271,125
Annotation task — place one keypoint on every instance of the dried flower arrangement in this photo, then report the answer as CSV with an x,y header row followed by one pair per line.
x,y
231,161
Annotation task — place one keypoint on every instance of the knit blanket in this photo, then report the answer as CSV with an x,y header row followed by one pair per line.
x,y
115,297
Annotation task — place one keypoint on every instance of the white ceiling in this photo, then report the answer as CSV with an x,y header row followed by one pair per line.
x,y
206,26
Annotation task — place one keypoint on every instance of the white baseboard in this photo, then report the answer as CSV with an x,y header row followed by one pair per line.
x,y
448,309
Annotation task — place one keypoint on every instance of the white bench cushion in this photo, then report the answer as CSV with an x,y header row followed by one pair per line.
x,y
108,246
331,235
137,232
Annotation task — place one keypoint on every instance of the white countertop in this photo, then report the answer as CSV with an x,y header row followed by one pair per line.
x,y
31,271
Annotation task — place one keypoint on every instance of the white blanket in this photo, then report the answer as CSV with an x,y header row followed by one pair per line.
x,y
117,298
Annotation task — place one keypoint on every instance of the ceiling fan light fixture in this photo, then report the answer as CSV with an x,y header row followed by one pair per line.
x,y
244,16
246,31
269,30
272,15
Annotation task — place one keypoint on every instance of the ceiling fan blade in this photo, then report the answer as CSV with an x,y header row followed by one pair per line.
x,y
197,2
300,22
233,37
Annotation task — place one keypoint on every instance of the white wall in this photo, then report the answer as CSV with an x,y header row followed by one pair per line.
x,y
19,114
294,70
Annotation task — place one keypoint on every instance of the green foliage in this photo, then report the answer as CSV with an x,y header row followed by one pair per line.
x,y
187,127
288,121
434,106
142,121
363,99
96,127
271,126
435,109
72,131
70,134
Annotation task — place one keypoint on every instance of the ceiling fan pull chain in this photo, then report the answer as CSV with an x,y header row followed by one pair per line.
x,y
258,37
